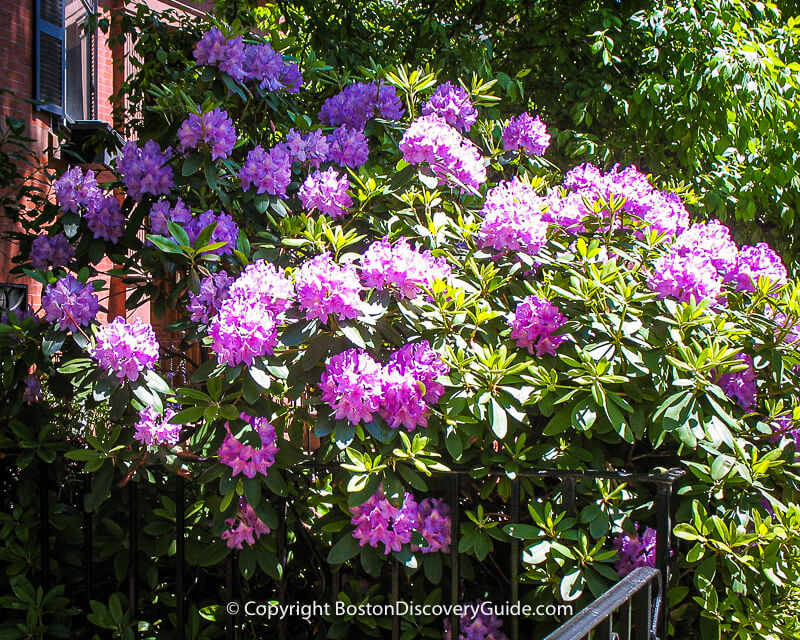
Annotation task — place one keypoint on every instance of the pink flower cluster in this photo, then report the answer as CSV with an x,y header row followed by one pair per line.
x,y
246,325
452,103
206,302
358,103
401,267
145,170
355,386
379,521
55,251
526,133
326,191
484,625
325,287
432,140
243,458
247,62
246,527
270,171
126,350
635,551
512,218
535,320
684,276
154,429
213,130
70,303
756,262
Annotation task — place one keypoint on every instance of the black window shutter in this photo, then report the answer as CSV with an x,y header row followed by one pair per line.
x,y
49,64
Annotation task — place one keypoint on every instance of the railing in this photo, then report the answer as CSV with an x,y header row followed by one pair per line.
x,y
627,611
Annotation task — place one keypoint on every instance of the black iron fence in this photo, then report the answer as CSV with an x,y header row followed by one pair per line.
x,y
626,597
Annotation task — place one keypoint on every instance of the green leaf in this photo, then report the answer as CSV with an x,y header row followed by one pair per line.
x,y
345,549
499,419
166,245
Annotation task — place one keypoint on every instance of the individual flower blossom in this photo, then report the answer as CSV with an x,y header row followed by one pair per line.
x,y
482,625
146,169
70,303
567,211
212,48
450,156
755,262
105,219
452,103
75,190
213,129
351,385
535,321
379,521
357,103
264,65
635,550
242,330
424,364
310,148
512,219
711,239
326,288
270,171
291,77
33,389
162,213
244,459
433,522
686,276
401,402
526,133
741,385
348,147
55,251
402,267
326,191
246,527
207,301
126,350
262,283
154,428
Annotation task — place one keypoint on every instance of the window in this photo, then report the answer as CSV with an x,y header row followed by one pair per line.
x,y
66,58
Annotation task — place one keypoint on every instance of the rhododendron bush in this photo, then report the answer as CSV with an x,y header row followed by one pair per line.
x,y
373,282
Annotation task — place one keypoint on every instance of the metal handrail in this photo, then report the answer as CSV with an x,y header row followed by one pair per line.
x,y
631,601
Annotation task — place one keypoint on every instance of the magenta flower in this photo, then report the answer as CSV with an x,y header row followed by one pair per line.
x,y
75,190
70,303
264,65
145,170
247,460
484,625
246,527
347,147
711,240
567,211
357,103
433,522
351,385
270,171
155,429
126,350
534,323
684,276
262,283
105,219
402,403
310,148
212,48
326,288
241,331
424,364
635,550
452,103
55,251
161,213
206,302
741,385
526,133
401,267
755,262
513,219
213,130
378,521
326,191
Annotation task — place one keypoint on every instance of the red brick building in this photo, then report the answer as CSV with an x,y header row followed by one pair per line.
x,y
48,55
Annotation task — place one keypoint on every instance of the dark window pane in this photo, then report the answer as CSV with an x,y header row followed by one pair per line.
x,y
50,76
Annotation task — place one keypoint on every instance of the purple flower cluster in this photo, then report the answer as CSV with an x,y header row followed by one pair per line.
x,y
431,139
243,458
687,275
207,302
245,527
75,190
126,349
347,147
357,103
226,231
70,303
325,288
154,429
247,62
379,521
105,219
55,251
33,389
356,386
145,170
755,262
741,385
310,148
483,625
452,103
535,320
664,212
785,426
526,133
213,129
246,325
433,522
161,213
712,240
326,191
512,218
565,211
270,171
400,266
635,551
